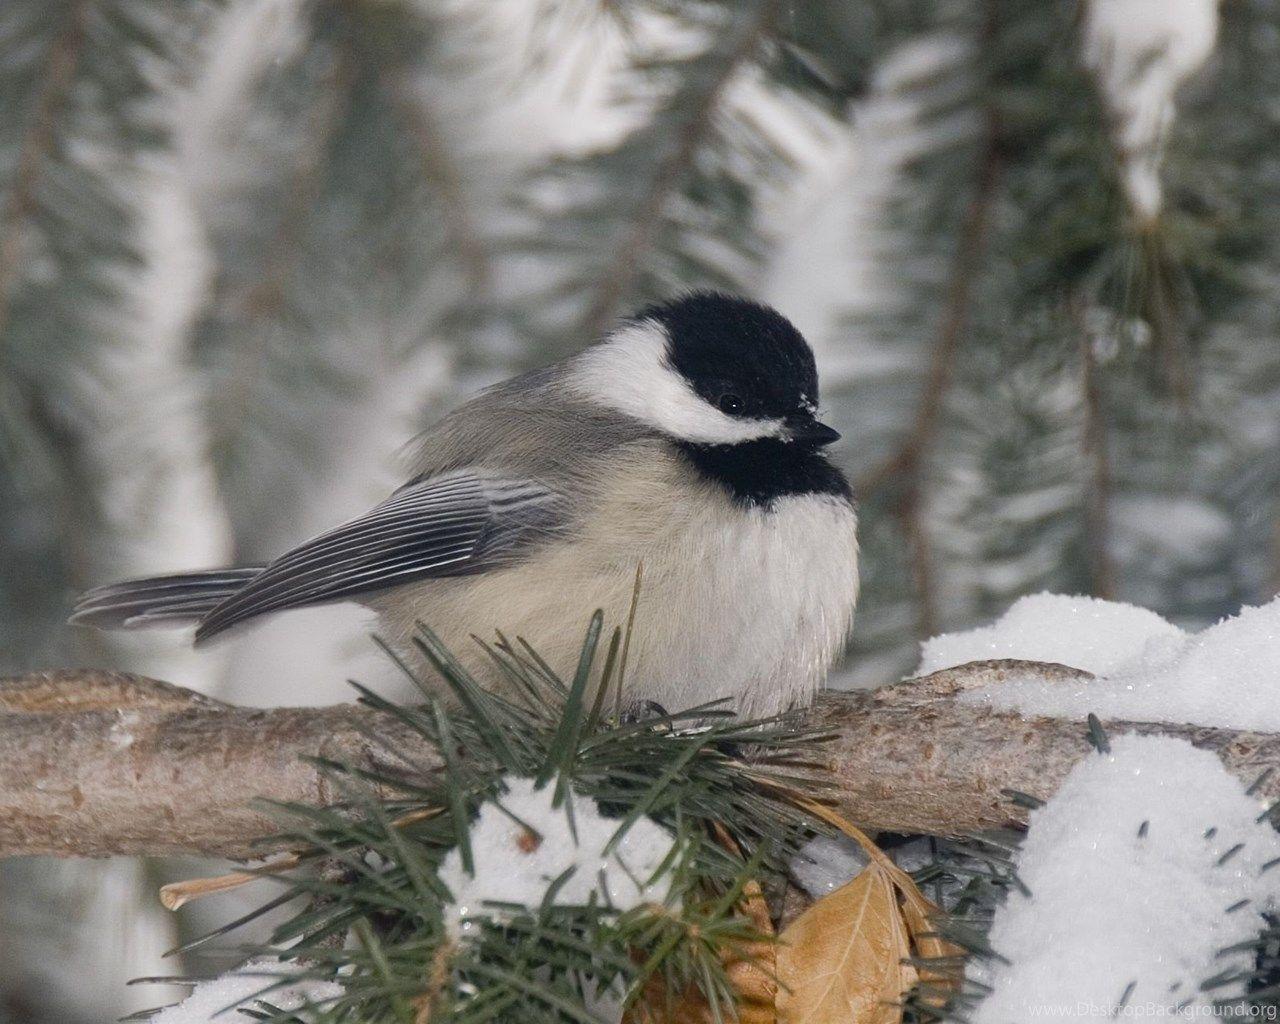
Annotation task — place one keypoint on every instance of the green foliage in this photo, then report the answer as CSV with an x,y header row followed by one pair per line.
x,y
76,78
1051,394
1076,359
673,201
334,239
373,913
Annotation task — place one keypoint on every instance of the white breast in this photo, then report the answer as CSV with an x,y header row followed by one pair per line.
x,y
748,604
763,604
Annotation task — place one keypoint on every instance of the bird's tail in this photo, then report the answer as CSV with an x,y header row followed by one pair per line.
x,y
175,600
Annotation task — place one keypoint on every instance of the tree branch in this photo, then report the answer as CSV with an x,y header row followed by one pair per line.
x,y
619,274
95,764
37,143
445,176
906,465
1093,440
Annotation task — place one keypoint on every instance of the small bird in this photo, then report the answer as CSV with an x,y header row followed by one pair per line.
x,y
684,445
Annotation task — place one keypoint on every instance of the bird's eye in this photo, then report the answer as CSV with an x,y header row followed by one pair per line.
x,y
730,404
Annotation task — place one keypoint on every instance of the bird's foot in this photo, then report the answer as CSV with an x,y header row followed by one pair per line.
x,y
642,711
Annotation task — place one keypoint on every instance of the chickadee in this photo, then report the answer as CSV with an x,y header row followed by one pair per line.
x,y
684,442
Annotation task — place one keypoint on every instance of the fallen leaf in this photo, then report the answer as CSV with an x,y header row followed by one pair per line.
x,y
841,961
751,970
917,910
919,914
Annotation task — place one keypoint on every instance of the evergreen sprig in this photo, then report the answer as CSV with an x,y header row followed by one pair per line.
x,y
1045,367
79,82
373,902
674,201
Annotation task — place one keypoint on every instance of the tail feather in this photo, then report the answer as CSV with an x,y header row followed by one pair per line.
x,y
159,600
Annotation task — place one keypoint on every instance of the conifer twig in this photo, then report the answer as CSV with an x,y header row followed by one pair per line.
x,y
265,296
445,177
618,275
905,467
37,142
1097,505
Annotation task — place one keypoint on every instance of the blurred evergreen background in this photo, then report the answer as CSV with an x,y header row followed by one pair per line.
x,y
248,248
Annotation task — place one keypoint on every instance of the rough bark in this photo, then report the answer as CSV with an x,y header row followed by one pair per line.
x,y
93,764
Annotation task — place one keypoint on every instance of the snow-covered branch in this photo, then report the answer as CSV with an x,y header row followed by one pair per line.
x,y
93,764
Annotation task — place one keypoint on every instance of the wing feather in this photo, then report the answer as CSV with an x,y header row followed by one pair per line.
x,y
450,525
179,597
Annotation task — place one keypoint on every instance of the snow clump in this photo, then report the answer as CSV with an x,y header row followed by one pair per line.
x,y
1145,865
521,844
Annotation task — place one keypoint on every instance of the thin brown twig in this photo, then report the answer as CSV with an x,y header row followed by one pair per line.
x,y
619,274
439,168
1097,503
266,295
176,895
436,978
1163,311
905,466
37,143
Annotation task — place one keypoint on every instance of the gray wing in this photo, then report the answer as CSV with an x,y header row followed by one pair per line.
x,y
454,524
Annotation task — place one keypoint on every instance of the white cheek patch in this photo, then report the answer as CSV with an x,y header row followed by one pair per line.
x,y
630,374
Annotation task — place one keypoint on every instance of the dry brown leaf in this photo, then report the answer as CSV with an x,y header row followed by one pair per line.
x,y
876,855
751,970
841,960
917,910
928,945
751,973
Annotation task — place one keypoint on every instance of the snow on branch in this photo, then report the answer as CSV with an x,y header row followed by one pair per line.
x,y
95,764
1145,667
1144,886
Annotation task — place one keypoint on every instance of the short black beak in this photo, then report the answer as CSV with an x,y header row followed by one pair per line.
x,y
807,430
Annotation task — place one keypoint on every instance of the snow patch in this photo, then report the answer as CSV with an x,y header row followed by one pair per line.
x,y
1131,867
1141,51
1098,636
1148,670
521,844
214,1002
120,735
825,863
